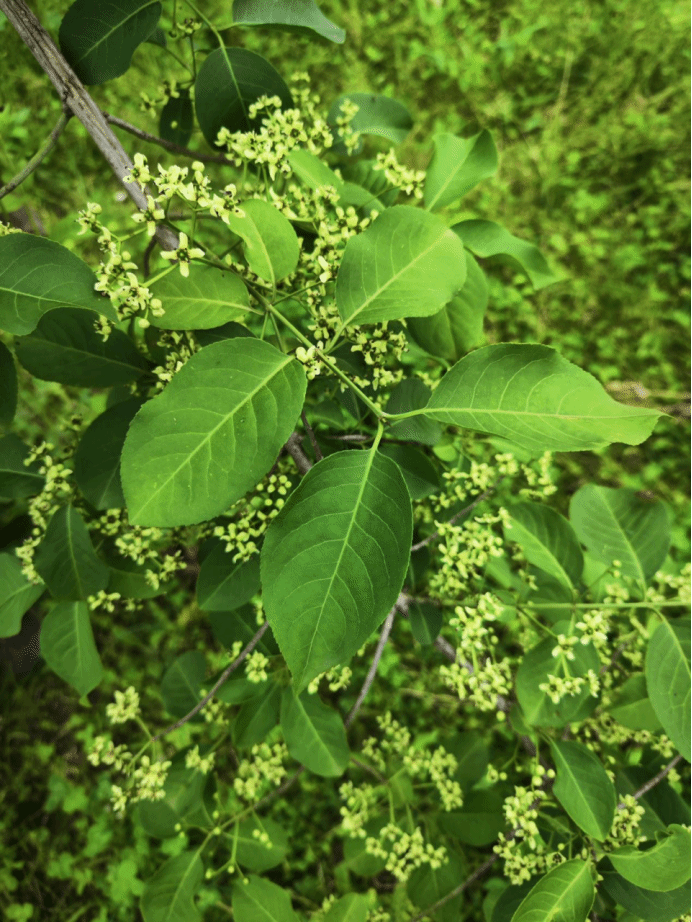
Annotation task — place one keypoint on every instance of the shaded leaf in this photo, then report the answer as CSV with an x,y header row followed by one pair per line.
x,y
223,585
207,298
17,480
353,907
457,166
257,717
298,15
260,900
66,559
547,540
420,475
17,595
664,867
181,683
67,645
378,115
427,885
486,238
648,905
479,822
177,118
314,733
253,854
583,788
8,386
631,706
471,751
183,788
412,394
169,896
426,622
241,624
668,680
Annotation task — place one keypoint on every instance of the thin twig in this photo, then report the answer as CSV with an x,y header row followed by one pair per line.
x,y
479,872
39,156
308,428
224,676
458,515
373,771
161,142
652,782
372,672
272,795
295,450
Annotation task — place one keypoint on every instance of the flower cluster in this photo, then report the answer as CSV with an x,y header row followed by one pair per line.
x,y
524,852
338,677
378,344
181,347
126,706
256,667
194,760
558,687
625,829
345,132
404,851
359,804
263,769
463,552
409,181
6,229
251,517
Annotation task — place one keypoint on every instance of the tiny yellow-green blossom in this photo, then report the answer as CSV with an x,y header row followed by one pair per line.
x,y
126,706
184,254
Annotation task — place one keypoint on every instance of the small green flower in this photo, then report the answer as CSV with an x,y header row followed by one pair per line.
x,y
184,255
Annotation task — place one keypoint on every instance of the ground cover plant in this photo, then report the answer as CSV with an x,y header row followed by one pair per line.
x,y
406,683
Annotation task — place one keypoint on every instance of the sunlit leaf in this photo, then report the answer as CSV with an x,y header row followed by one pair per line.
x,y
486,238
565,894
271,244
664,867
583,788
547,540
457,166
17,595
668,680
207,298
300,15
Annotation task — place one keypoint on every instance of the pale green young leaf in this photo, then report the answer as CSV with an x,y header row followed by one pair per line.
x,y
547,540
66,559
407,263
223,585
458,327
260,900
486,238
271,244
615,524
212,434
17,595
8,386
17,480
296,15
314,733
533,396
169,895
457,166
565,894
313,171
583,788
38,275
668,680
228,82
207,298
334,560
67,645
664,867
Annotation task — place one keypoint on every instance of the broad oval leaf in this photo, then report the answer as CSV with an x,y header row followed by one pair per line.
x,y
314,734
213,433
668,680
458,327
664,867
301,15
177,118
378,115
534,397
631,706
419,473
271,245
66,559
457,166
183,788
17,595
17,480
67,645
8,386
547,540
97,459
257,717
583,788
650,905
207,298
38,275
412,394
565,894
615,524
99,39
65,347
427,885
353,907
407,263
253,854
259,900
169,896
181,683
223,585
312,171
334,560
228,82
486,238
479,822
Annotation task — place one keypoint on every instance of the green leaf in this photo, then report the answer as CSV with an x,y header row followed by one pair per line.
x,y
157,37
17,595
183,788
312,171
334,560
486,238
66,559
181,683
169,896
615,524
533,396
65,347
547,540
363,173
38,275
412,394
458,327
649,905
8,386
230,330
533,671
668,680
207,298
177,118
376,115
228,82
426,622
213,433
427,885
260,900
99,39
407,263
457,166
583,788
471,751
353,907
314,733
67,645
129,578
257,717
271,244
223,585
295,14
419,473
509,901
631,706
17,481
664,867
479,822
253,854
241,624
97,459
565,894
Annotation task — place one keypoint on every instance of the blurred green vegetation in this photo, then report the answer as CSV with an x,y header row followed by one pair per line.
x,y
589,106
